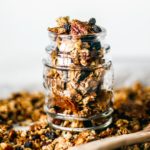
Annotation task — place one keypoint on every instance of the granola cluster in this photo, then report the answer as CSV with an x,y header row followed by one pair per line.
x,y
76,73
75,27
131,114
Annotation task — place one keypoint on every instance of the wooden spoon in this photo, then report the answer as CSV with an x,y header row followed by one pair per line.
x,y
116,141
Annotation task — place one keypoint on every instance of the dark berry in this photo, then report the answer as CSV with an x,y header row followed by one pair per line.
x,y
57,49
34,100
1,139
107,48
65,85
67,27
28,144
83,75
12,135
92,21
18,148
88,38
87,123
96,29
51,135
57,108
132,96
36,136
95,45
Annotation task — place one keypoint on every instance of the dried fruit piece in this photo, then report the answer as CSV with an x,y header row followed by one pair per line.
x,y
92,21
95,45
67,27
96,29
51,135
64,103
28,144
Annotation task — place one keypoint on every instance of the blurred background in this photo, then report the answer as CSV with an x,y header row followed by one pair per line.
x,y
23,37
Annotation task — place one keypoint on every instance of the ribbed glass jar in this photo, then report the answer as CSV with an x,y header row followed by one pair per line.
x,y
78,78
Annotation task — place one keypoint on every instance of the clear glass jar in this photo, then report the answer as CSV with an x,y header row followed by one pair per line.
x,y
78,78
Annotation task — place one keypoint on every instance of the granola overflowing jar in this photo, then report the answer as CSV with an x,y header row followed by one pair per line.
x,y
78,78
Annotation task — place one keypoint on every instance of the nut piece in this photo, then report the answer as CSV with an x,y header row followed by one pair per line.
x,y
79,28
62,21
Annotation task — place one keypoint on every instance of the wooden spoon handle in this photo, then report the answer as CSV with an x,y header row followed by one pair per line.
x,y
115,142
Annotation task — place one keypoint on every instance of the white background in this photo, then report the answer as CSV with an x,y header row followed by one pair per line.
x,y
23,32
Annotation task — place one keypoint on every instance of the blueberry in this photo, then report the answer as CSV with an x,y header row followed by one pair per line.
x,y
92,21
36,136
95,45
96,29
28,144
67,27
51,135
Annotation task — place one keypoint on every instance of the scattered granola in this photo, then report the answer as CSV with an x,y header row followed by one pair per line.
x,y
41,136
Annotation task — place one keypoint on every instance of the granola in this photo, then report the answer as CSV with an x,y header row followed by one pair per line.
x,y
41,136
75,74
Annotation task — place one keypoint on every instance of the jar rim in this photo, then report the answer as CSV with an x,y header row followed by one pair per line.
x,y
101,34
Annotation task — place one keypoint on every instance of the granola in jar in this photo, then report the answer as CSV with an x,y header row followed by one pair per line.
x,y
78,76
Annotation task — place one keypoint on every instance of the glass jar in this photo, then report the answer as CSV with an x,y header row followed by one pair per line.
x,y
78,78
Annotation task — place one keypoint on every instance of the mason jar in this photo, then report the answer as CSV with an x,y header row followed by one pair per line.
x,y
78,80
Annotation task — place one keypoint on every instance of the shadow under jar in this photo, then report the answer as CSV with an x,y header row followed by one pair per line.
x,y
78,78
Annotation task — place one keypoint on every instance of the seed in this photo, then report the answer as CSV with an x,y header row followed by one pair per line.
x,y
92,21
51,135
28,144
96,29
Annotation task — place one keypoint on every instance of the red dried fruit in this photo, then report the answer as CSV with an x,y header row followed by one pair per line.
x,y
64,103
